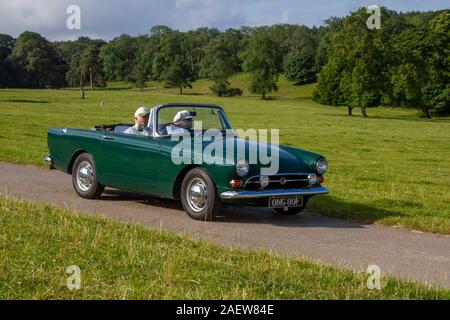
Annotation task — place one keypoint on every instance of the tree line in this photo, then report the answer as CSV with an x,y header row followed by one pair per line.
x,y
405,63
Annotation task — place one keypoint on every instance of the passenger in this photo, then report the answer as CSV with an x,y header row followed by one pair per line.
x,y
141,117
183,119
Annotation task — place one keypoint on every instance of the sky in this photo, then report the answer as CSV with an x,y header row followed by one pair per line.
x,y
107,19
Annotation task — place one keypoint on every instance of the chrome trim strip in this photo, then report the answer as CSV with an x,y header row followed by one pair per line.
x,y
275,175
272,193
278,181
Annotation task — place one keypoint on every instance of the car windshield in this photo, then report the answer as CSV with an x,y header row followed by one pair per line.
x,y
174,118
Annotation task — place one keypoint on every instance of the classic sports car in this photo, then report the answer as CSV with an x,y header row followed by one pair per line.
x,y
145,163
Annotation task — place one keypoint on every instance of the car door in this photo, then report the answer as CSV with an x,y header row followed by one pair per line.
x,y
130,162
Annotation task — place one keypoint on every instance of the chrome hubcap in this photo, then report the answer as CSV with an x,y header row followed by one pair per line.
x,y
85,176
197,194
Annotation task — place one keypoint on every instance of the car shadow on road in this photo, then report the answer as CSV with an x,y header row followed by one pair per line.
x,y
123,195
243,214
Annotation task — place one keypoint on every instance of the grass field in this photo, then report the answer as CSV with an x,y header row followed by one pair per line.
x,y
392,168
241,80
126,261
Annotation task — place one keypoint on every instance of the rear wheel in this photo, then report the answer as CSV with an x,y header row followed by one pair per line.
x,y
84,177
199,195
292,211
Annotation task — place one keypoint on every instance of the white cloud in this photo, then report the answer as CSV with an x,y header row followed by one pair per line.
x,y
31,14
191,14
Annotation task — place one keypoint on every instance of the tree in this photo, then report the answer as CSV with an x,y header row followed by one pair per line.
x,y
73,51
437,90
420,76
166,46
90,64
218,65
119,57
6,71
139,75
400,65
262,59
194,45
293,38
407,86
85,64
38,62
300,67
325,34
330,82
179,74
169,60
364,93
356,63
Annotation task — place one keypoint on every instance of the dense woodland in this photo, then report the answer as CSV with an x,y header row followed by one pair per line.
x,y
406,63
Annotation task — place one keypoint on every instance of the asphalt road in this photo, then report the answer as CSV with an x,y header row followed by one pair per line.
x,y
400,253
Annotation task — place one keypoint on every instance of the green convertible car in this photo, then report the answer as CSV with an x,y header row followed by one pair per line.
x,y
204,165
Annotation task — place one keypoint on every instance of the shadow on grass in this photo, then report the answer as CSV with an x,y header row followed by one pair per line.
x,y
24,101
418,118
404,118
115,89
198,94
294,98
323,212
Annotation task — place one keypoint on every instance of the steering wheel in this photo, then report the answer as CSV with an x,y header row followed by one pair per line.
x,y
163,128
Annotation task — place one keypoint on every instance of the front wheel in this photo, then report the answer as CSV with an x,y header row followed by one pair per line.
x,y
292,211
84,177
199,195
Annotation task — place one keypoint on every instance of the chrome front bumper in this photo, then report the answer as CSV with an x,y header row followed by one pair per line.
x,y
49,161
245,194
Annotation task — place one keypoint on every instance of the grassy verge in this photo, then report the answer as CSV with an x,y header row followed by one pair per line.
x,y
391,168
125,261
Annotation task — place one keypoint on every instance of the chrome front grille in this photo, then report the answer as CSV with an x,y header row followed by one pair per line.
x,y
279,181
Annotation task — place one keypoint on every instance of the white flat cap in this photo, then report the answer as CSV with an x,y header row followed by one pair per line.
x,y
142,112
182,115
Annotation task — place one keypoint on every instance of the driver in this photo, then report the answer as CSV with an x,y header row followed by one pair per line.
x,y
141,117
183,119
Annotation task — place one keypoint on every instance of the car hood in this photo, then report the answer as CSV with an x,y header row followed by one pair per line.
x,y
290,159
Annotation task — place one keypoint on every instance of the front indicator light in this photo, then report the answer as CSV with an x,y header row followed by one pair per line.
x,y
236,183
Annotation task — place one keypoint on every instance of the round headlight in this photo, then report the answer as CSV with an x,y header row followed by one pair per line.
x,y
242,168
264,181
322,166
312,179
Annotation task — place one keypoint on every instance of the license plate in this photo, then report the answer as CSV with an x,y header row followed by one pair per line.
x,y
285,202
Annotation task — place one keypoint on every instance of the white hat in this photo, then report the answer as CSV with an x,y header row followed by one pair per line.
x,y
142,112
182,115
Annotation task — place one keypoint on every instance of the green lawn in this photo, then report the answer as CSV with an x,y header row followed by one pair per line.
x,y
392,168
125,261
